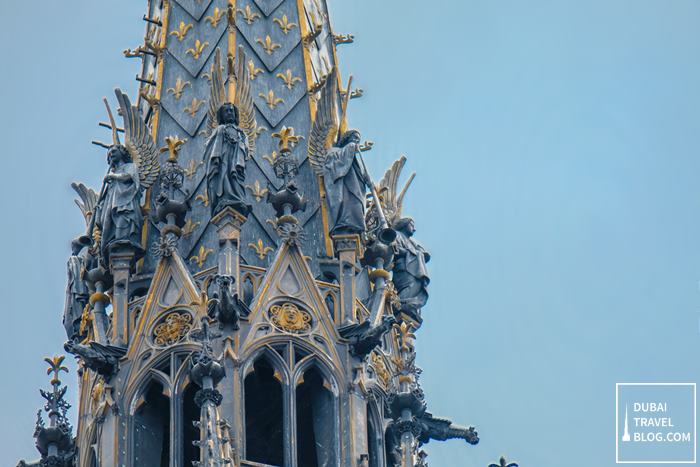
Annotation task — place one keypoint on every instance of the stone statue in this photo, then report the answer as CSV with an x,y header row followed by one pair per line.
x,y
233,131
410,272
344,178
77,293
133,168
118,215
226,153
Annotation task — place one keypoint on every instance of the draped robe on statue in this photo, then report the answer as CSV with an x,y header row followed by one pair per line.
x,y
77,293
226,153
120,217
345,190
410,271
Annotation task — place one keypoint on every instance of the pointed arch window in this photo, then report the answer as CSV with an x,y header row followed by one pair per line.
x,y
299,420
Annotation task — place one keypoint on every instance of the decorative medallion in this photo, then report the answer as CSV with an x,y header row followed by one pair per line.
x,y
172,329
288,317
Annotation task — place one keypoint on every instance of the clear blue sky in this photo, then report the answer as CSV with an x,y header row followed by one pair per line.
x,y
558,188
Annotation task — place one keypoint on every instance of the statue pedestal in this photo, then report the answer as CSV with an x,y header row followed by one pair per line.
x,y
348,250
121,260
228,226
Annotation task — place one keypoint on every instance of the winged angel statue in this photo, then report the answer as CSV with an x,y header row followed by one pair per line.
x,y
410,274
231,141
344,177
133,168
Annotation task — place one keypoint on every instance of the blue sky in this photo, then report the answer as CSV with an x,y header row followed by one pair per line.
x,y
558,190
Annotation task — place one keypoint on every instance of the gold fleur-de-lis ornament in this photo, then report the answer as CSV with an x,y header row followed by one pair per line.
x,y
270,99
284,24
257,191
197,50
201,256
288,78
261,251
179,88
248,14
181,31
268,46
194,107
215,17
253,70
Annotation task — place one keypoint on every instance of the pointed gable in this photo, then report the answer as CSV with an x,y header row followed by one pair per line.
x,y
173,294
290,304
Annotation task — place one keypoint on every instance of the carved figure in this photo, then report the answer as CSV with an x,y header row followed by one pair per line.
x,y
100,358
365,337
133,167
224,304
344,178
232,138
410,274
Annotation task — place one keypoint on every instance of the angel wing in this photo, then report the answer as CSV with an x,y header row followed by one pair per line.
x,y
244,101
138,141
324,126
391,198
217,95
87,201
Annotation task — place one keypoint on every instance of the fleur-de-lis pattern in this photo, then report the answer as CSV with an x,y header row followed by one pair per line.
x,y
284,24
179,88
288,78
270,99
268,45
249,16
215,17
257,191
181,31
197,49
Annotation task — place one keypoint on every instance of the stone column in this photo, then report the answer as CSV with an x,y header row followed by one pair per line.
x,y
121,260
347,249
228,226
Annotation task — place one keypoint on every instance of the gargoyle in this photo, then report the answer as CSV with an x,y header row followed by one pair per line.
x,y
365,337
442,429
225,305
102,359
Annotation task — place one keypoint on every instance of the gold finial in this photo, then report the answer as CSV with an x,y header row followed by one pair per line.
x,y
287,138
55,367
173,147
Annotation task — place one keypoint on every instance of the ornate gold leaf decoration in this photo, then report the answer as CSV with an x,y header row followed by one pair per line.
x,y
248,14
189,228
194,107
270,99
288,79
253,70
192,168
215,17
287,138
172,329
288,317
179,88
380,368
197,50
268,46
204,198
271,158
173,145
260,249
201,256
405,336
55,367
181,31
284,24
257,191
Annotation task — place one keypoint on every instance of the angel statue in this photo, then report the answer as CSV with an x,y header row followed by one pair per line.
x,y
232,136
133,168
344,177
410,273
80,261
